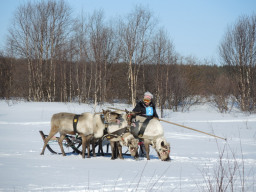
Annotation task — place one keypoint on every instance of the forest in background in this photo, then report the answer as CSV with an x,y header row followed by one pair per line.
x,y
51,56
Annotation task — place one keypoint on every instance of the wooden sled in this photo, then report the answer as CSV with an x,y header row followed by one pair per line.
x,y
70,141
74,143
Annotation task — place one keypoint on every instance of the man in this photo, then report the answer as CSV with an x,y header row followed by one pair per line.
x,y
146,107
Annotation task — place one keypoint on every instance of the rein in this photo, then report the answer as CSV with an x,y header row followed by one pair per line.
x,y
114,135
103,119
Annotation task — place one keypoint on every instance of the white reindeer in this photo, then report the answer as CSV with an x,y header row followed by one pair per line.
x,y
153,135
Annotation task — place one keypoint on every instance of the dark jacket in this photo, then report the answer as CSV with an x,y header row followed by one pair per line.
x,y
141,108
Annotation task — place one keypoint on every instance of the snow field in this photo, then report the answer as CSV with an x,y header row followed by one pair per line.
x,y
196,157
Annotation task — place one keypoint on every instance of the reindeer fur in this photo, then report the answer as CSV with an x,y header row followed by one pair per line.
x,y
89,125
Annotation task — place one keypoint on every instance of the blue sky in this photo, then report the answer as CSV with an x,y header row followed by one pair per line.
x,y
196,27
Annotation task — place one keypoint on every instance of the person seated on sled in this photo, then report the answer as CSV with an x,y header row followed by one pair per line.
x,y
146,107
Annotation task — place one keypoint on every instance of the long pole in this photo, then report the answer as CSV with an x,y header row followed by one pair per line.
x,y
191,128
180,126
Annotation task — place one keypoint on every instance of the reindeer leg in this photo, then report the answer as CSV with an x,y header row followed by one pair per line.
x,y
116,154
100,149
113,150
88,139
98,146
47,139
62,137
119,150
147,149
107,147
84,145
93,146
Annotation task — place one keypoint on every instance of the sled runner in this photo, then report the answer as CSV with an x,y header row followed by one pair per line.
x,y
70,141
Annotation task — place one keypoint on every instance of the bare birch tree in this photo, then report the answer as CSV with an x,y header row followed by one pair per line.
x,y
162,55
135,34
102,52
38,31
97,35
238,50
80,30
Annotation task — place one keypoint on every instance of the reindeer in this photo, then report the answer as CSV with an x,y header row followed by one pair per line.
x,y
119,135
89,125
160,145
127,140
153,135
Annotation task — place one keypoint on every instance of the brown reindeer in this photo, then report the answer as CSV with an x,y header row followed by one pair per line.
x,y
89,125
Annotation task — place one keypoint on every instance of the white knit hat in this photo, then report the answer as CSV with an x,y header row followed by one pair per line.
x,y
148,95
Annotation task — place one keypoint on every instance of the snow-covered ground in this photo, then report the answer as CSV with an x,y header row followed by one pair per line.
x,y
196,165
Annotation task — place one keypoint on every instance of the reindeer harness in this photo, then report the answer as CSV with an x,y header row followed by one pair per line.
x,y
75,121
76,118
114,135
102,116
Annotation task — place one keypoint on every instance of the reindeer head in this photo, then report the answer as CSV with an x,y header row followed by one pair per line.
x,y
129,116
111,117
163,150
133,147
129,141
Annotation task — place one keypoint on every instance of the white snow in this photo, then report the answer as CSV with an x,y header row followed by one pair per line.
x,y
195,156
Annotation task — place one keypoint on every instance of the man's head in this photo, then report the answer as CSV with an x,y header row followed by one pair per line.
x,y
147,98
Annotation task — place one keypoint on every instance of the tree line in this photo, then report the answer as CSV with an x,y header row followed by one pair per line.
x,y
51,56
